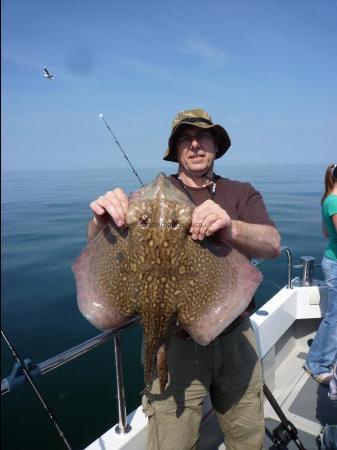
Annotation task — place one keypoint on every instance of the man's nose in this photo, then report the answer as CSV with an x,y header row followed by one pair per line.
x,y
194,142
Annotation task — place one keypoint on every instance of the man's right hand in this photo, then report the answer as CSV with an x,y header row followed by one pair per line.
x,y
114,204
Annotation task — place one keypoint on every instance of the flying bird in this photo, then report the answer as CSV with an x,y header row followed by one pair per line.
x,y
47,74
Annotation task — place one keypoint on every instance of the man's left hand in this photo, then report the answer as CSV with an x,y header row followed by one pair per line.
x,y
207,219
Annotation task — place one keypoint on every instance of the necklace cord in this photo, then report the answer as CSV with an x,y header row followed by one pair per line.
x,y
211,188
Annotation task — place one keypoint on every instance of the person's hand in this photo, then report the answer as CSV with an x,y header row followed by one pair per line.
x,y
207,219
113,204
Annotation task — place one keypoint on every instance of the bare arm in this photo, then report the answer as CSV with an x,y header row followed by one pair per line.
x,y
334,221
255,241
114,204
324,230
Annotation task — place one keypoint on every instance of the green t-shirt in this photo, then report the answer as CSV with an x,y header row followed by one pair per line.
x,y
329,208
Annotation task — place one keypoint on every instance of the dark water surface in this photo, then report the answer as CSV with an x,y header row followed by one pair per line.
x,y
44,219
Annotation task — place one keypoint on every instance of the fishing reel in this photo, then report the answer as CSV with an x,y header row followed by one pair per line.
x,y
285,433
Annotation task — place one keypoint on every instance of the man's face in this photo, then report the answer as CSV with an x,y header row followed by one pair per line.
x,y
196,149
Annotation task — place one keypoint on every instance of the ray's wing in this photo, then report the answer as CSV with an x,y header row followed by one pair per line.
x,y
101,273
219,284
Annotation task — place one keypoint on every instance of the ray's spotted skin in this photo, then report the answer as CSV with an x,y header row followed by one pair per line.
x,y
155,269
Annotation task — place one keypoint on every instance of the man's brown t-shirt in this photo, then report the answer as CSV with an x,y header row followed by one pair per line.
x,y
240,200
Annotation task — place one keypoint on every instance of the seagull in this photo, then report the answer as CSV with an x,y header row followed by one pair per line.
x,y
47,74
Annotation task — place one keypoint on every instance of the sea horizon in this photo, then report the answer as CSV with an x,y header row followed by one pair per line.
x,y
219,165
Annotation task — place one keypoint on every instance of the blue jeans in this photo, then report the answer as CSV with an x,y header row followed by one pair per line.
x,y
323,350
330,438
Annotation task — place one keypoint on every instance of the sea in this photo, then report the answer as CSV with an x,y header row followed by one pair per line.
x,y
44,220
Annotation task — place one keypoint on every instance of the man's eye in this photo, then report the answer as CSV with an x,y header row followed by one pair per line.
x,y
184,139
204,136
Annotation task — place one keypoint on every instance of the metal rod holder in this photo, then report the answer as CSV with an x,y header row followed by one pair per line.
x,y
308,267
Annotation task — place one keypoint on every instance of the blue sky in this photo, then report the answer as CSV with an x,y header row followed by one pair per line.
x,y
266,71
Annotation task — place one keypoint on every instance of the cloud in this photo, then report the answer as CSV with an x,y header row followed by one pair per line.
x,y
21,61
145,67
209,54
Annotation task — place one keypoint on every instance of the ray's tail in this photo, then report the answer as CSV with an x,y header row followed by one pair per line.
x,y
156,332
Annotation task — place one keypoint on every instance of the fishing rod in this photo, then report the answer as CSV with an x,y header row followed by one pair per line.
x,y
120,147
286,430
38,394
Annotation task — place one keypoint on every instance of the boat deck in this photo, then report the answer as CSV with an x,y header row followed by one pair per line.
x,y
304,402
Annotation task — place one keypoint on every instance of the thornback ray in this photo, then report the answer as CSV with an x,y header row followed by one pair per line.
x,y
154,268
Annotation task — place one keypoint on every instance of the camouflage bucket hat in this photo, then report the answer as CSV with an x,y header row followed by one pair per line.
x,y
201,119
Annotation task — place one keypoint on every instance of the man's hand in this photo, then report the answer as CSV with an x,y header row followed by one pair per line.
x,y
114,204
253,240
207,219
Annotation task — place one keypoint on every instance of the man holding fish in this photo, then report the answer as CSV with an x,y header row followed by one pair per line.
x,y
231,213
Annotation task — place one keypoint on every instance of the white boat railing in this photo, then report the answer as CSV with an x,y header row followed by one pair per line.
x,y
17,376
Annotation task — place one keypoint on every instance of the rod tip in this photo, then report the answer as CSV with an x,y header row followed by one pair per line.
x,y
100,115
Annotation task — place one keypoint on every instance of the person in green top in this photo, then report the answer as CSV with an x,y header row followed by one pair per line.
x,y
323,350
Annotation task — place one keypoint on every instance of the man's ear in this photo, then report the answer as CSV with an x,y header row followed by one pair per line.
x,y
217,145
